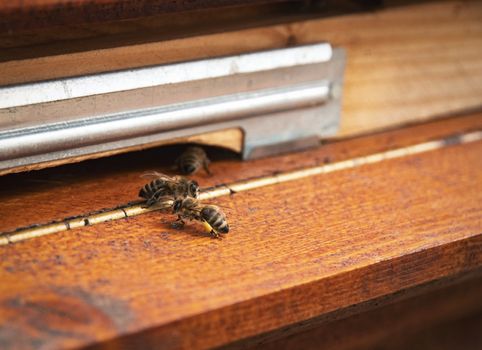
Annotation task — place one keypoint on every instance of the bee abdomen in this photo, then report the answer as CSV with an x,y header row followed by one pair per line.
x,y
191,160
214,217
145,192
149,189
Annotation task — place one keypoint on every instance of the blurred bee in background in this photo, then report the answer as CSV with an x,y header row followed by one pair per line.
x,y
192,159
213,219
166,186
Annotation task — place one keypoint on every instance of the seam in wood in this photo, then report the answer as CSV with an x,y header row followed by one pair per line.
x,y
137,208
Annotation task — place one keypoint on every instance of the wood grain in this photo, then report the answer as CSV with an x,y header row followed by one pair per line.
x,y
54,194
20,15
31,23
404,64
31,41
296,251
209,194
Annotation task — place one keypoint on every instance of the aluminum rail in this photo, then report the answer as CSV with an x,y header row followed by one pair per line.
x,y
68,88
54,137
277,100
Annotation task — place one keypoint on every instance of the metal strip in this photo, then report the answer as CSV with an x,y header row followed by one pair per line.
x,y
68,88
281,100
30,141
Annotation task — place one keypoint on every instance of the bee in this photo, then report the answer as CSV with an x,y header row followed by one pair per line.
x,y
213,219
192,159
166,186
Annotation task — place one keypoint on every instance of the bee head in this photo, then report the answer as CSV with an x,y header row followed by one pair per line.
x,y
224,229
194,189
188,168
177,205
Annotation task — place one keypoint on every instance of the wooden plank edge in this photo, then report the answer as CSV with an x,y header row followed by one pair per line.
x,y
326,296
430,303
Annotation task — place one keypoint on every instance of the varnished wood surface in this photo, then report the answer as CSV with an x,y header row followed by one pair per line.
x,y
295,251
18,15
445,318
22,19
404,64
54,194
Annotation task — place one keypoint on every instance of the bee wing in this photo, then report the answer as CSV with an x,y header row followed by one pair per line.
x,y
164,202
166,199
157,175
219,206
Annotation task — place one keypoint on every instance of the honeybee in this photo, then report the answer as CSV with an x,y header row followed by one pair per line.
x,y
167,186
192,159
211,216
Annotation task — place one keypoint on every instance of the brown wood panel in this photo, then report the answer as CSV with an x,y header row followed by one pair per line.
x,y
23,18
159,27
19,14
447,318
54,194
404,64
295,251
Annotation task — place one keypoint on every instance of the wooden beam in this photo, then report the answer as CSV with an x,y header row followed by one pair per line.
x,y
19,15
76,187
296,251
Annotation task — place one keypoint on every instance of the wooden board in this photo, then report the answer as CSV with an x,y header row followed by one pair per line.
x,y
404,64
51,40
296,251
34,14
74,189
124,22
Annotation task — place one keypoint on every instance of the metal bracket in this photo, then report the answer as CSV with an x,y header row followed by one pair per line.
x,y
282,99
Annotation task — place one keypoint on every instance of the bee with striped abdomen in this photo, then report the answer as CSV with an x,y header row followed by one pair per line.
x,y
192,159
167,186
213,219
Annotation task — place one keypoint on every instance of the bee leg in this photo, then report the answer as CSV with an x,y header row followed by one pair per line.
x,y
149,202
214,234
177,164
206,163
156,196
179,223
